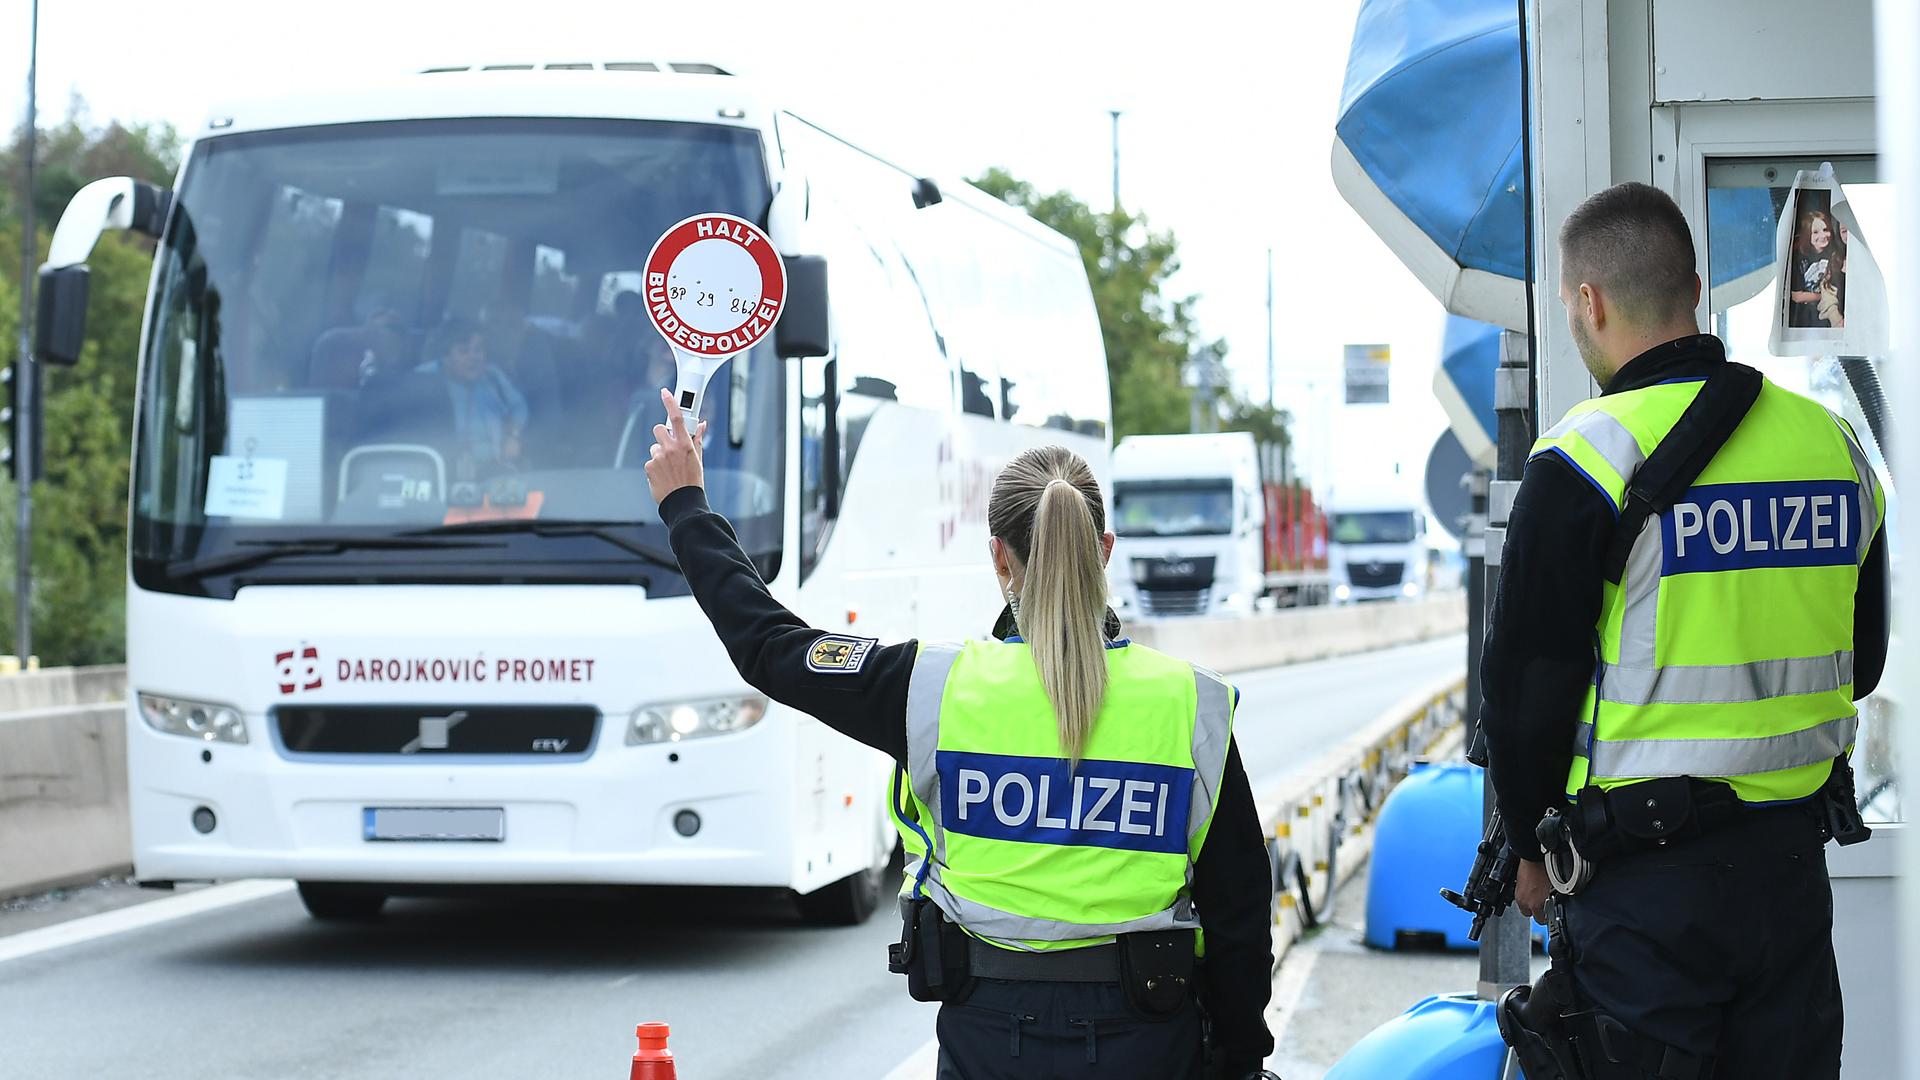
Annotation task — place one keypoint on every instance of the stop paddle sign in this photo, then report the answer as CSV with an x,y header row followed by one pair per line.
x,y
714,289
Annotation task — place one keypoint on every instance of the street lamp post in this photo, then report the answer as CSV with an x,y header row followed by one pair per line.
x,y
1116,159
27,408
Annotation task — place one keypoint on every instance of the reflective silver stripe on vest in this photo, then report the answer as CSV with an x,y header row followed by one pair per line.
x,y
1863,471
1640,594
926,688
1700,684
1212,726
1608,436
1618,759
1006,928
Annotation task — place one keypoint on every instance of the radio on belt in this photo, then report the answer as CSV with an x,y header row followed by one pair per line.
x,y
714,289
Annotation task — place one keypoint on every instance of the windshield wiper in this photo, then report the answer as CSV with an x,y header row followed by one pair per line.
x,y
270,550
656,554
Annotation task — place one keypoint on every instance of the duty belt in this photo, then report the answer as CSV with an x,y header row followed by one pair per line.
x,y
1092,964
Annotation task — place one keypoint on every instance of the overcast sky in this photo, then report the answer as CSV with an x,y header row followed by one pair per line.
x,y
1228,121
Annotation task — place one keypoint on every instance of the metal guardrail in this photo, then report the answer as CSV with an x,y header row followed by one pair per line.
x,y
1319,823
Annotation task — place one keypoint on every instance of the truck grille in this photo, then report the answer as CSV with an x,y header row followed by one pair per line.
x,y
426,731
1173,601
1374,575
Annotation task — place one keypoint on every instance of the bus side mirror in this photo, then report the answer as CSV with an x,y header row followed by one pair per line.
x,y
60,320
803,328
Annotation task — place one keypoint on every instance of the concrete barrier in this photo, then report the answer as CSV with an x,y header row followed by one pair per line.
x,y
63,777
1319,821
1295,634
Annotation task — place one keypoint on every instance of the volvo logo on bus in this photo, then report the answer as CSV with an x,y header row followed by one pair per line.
x,y
435,732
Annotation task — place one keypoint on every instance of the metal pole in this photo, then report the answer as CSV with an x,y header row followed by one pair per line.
x,y
1116,159
1269,328
1475,548
1504,949
26,417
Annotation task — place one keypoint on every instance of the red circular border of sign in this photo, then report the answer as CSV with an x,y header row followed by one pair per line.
x,y
773,277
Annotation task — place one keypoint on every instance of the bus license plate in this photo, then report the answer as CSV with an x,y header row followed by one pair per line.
x,y
466,823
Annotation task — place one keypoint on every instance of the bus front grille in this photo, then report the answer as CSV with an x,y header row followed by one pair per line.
x,y
428,731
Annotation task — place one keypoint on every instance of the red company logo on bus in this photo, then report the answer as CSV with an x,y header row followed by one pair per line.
x,y
298,670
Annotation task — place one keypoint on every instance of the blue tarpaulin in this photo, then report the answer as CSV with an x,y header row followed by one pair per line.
x,y
1464,384
1428,151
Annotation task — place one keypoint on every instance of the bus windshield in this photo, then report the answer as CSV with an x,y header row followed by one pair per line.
x,y
374,331
1173,508
1374,527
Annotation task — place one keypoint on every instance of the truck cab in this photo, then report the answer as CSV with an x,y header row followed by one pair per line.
x,y
1189,519
1376,547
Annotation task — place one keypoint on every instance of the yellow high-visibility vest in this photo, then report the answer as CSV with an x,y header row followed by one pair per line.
x,y
1022,847
1726,650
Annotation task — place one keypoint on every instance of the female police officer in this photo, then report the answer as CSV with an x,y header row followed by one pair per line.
x,y
1074,804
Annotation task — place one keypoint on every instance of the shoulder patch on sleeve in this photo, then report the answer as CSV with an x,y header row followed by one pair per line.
x,y
839,654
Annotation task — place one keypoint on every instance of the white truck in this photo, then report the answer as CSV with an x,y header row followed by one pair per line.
x,y
1376,544
1189,514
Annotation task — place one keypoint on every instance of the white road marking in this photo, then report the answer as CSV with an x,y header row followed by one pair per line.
x,y
1295,972
622,981
920,1065
139,916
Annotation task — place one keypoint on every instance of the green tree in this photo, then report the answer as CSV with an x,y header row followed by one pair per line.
x,y
1150,336
80,505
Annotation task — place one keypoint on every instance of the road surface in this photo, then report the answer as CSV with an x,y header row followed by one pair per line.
x,y
547,986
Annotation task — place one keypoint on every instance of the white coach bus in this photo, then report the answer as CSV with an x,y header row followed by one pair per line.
x,y
401,612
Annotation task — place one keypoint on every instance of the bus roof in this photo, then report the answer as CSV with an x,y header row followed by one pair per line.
x,y
638,90
682,91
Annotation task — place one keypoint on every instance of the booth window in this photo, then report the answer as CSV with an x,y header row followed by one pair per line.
x,y
1745,200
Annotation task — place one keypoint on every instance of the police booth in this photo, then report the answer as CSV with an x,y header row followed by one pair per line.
x,y
1782,129
1723,104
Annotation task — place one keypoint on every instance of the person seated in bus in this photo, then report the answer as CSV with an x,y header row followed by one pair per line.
x,y
347,357
489,414
640,357
628,361
526,355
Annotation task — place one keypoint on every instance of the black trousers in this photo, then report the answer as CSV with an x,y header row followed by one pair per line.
x,y
1721,947
1042,1031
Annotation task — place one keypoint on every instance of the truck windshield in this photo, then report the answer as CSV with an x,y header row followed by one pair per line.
x,y
371,331
1374,527
1173,508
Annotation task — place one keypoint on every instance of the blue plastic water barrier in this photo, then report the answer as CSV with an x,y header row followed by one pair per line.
x,y
1424,841
1450,1037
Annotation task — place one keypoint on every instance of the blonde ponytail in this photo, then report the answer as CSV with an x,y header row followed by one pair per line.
x,y
1046,506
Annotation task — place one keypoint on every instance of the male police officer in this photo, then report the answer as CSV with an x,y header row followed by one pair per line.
x,y
1688,713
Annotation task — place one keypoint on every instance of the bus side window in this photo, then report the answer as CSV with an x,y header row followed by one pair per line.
x,y
814,523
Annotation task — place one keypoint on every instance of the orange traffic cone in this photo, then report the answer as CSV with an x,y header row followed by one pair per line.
x,y
653,1061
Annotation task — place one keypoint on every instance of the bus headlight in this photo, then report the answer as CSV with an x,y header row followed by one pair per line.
x,y
1342,591
1411,588
193,719
676,720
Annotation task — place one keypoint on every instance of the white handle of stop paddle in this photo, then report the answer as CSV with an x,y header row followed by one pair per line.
x,y
690,387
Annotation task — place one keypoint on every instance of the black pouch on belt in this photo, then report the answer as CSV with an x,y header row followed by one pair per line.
x,y
932,953
1156,967
1651,813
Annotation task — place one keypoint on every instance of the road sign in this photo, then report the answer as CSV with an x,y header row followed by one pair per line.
x,y
1448,468
1367,370
714,289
